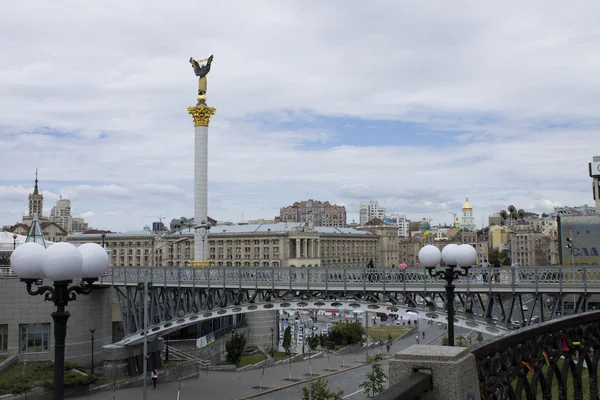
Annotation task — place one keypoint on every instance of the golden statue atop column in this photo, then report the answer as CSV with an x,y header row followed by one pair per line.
x,y
201,112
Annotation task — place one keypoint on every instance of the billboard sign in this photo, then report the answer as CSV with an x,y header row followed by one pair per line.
x,y
584,245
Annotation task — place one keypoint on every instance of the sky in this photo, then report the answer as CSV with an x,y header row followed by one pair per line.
x,y
414,104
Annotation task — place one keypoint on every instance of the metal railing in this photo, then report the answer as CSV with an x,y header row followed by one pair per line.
x,y
408,389
579,278
551,360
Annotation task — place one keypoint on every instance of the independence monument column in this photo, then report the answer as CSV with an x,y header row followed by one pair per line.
x,y
201,114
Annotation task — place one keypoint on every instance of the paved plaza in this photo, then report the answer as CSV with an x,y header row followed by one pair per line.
x,y
239,385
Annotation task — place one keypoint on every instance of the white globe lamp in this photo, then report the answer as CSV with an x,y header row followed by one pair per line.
x,y
62,262
26,260
449,254
429,256
94,260
466,255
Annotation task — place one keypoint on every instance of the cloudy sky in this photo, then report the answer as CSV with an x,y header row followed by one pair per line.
x,y
415,104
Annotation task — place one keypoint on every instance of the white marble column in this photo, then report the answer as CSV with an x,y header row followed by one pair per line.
x,y
201,191
201,115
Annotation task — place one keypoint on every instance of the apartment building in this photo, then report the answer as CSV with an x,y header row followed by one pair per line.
x,y
317,212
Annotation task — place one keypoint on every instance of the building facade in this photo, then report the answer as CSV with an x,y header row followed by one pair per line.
x,y
61,214
50,230
36,201
317,212
370,210
467,221
258,246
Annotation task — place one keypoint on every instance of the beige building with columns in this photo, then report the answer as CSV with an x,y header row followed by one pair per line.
x,y
265,246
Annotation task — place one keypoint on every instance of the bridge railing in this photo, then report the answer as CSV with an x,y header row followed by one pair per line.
x,y
579,277
551,360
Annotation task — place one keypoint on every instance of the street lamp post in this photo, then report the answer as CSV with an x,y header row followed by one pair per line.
x,y
14,241
92,330
103,236
453,256
62,262
272,343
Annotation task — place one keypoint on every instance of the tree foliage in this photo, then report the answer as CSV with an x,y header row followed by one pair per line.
x,y
375,380
498,258
461,342
445,341
313,342
318,391
346,334
235,347
479,336
287,341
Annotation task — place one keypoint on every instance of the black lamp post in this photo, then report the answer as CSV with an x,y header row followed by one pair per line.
x,y
272,343
103,237
92,330
14,241
453,256
61,262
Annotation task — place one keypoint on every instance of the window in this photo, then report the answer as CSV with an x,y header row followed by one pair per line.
x,y
35,338
3,338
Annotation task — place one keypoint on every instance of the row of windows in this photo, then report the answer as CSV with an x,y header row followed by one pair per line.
x,y
255,264
246,249
246,256
33,338
240,242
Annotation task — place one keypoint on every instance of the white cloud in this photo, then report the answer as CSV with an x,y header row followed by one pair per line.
x,y
113,134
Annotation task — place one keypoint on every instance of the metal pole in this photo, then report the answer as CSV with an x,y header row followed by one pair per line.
x,y
367,333
450,304
180,255
92,330
60,317
272,344
145,373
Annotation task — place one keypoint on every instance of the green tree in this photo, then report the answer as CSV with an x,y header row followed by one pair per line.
x,y
287,341
235,347
313,342
445,341
346,334
318,391
375,379
460,341
479,336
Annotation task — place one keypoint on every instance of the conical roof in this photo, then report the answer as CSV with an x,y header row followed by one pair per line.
x,y
35,232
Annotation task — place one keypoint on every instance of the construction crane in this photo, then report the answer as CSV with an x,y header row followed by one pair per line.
x,y
160,217
455,218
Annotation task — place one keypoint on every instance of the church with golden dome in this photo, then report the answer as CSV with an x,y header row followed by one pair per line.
x,y
467,221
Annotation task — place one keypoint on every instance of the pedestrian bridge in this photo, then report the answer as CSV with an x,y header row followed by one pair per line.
x,y
488,299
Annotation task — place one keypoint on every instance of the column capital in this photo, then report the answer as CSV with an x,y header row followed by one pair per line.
x,y
201,114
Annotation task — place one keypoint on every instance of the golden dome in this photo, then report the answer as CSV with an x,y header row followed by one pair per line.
x,y
467,206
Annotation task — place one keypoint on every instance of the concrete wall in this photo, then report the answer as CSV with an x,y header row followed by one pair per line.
x,y
93,310
259,329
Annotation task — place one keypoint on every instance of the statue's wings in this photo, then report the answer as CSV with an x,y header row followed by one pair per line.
x,y
194,63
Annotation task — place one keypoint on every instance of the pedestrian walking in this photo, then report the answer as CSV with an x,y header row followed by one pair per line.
x,y
387,346
154,377
423,335
417,339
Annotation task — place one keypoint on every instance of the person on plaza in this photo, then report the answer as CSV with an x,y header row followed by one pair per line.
x,y
417,339
387,346
154,376
423,335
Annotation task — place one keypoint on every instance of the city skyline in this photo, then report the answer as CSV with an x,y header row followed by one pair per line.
x,y
418,107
